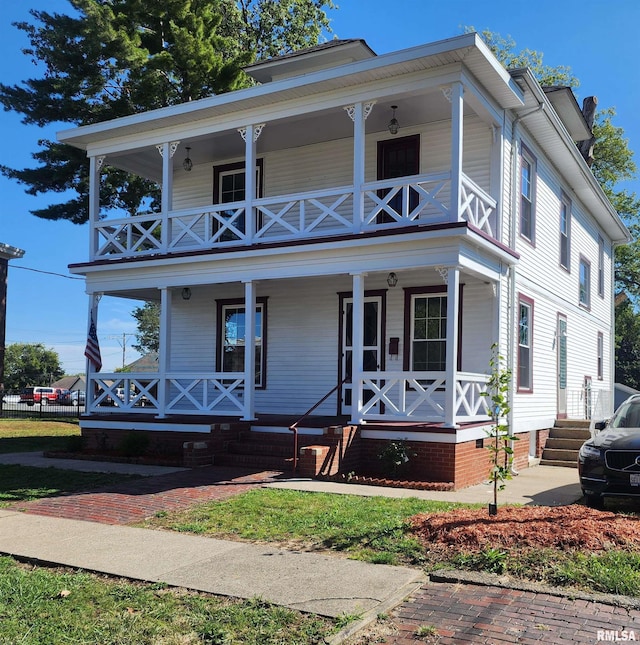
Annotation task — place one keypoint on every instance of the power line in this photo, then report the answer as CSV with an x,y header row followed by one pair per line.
x,y
60,275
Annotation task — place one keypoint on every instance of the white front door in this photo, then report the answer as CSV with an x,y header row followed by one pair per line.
x,y
372,349
561,353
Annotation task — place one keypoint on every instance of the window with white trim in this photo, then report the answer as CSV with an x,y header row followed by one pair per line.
x,y
527,195
525,344
565,232
428,333
600,266
585,282
600,351
231,330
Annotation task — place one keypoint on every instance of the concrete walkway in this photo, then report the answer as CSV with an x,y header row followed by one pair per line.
x,y
309,582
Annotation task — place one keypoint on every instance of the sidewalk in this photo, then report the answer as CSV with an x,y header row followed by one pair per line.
x,y
321,584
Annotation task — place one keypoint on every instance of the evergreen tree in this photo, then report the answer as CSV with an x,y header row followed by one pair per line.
x,y
113,58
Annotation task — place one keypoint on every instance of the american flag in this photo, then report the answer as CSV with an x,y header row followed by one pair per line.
x,y
92,350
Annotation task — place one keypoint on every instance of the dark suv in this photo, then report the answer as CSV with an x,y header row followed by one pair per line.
x,y
609,462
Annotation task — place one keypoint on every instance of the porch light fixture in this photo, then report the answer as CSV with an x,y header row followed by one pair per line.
x,y
392,279
393,126
186,293
187,164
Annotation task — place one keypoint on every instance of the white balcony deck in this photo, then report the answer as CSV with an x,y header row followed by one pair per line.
x,y
392,203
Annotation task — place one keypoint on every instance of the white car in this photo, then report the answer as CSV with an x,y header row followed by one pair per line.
x,y
11,398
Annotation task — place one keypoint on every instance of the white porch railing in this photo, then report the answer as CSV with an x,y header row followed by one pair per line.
x,y
185,393
406,201
390,396
421,396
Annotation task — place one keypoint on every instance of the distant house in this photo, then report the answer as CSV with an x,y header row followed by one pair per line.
x,y
73,383
385,220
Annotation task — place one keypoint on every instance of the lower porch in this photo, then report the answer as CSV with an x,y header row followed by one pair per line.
x,y
323,446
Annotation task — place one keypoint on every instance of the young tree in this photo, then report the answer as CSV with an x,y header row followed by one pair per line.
x,y
112,58
30,364
147,337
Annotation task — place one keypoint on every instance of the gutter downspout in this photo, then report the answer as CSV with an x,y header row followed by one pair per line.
x,y
513,192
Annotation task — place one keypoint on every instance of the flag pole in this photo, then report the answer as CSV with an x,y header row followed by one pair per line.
x,y
92,322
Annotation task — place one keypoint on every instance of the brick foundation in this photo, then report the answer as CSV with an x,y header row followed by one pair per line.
x,y
196,454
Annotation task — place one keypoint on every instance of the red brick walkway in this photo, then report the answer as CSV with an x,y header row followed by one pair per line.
x,y
468,613
138,499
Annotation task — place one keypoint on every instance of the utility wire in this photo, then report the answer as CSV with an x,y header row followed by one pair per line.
x,y
60,275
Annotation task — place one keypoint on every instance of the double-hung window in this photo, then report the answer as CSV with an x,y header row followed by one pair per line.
x,y
527,195
525,344
585,283
232,338
600,352
565,232
600,266
428,332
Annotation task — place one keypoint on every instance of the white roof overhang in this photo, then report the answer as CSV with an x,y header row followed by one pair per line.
x,y
468,51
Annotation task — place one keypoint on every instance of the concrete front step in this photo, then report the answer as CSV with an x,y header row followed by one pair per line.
x,y
560,454
573,423
564,443
569,433
556,462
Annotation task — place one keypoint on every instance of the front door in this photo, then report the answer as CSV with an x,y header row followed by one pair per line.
x,y
372,350
561,360
398,158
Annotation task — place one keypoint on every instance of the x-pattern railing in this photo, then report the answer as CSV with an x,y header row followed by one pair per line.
x,y
420,199
304,214
195,394
477,207
131,393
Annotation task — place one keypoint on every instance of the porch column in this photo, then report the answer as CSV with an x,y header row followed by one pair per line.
x,y
496,179
250,134
163,350
92,351
453,310
457,104
357,342
249,350
167,150
95,166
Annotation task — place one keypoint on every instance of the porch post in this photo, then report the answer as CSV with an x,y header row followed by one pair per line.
x,y
357,342
453,284
457,105
249,350
496,179
358,113
167,150
249,182
92,351
95,166
163,350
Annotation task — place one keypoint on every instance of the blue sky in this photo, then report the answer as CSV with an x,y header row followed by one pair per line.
x,y
598,40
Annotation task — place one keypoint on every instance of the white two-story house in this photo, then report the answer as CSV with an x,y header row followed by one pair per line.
x,y
385,220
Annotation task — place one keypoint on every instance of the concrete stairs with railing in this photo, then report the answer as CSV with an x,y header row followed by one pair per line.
x,y
565,439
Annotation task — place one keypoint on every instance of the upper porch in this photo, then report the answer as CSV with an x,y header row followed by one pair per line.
x,y
312,156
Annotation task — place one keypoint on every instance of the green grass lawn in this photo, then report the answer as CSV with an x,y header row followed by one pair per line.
x,y
31,435
39,605
24,483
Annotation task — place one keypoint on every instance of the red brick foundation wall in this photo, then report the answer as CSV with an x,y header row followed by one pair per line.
x,y
462,464
541,440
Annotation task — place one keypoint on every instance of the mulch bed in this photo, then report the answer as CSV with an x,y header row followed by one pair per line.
x,y
561,527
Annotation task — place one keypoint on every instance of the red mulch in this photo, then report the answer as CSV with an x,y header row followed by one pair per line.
x,y
561,527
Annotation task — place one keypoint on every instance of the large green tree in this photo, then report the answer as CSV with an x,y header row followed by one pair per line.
x,y
30,364
148,334
112,58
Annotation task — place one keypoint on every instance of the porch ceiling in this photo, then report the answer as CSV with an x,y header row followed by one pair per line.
x,y
292,132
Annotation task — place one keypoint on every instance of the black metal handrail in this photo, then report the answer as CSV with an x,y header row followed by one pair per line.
x,y
294,426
